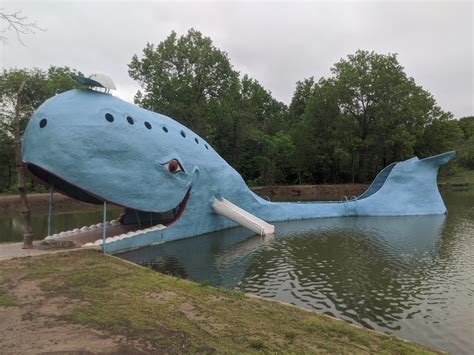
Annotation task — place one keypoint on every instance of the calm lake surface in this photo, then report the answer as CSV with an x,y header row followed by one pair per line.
x,y
408,276
10,226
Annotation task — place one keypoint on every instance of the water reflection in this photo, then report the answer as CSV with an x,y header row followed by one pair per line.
x,y
411,276
10,226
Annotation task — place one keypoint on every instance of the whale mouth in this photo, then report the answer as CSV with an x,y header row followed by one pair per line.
x,y
130,220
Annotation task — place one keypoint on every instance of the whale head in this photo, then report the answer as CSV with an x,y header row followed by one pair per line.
x,y
95,147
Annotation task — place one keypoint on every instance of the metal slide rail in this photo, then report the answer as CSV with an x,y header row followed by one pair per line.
x,y
238,215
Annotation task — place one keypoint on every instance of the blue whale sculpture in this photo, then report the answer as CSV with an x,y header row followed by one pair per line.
x,y
95,147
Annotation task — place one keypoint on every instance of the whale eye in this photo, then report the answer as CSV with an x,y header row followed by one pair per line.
x,y
173,166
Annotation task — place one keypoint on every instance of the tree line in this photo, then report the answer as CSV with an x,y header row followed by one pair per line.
x,y
340,129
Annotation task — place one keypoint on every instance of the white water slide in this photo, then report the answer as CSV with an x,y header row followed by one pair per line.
x,y
235,213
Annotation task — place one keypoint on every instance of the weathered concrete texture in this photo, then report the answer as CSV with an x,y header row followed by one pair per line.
x,y
14,250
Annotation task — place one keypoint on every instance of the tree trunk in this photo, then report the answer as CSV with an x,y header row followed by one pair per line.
x,y
24,209
9,176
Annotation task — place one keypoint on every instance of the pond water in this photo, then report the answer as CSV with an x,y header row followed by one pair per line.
x,y
408,276
10,226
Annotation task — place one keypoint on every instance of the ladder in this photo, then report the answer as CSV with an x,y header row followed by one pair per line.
x,y
238,215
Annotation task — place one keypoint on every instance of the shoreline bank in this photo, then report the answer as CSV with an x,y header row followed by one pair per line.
x,y
9,204
83,301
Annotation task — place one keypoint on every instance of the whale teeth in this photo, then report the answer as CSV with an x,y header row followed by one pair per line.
x,y
76,230
98,242
114,222
84,229
88,245
93,227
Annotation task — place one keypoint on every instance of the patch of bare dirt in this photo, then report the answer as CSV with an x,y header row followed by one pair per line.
x,y
28,333
205,323
161,296
35,327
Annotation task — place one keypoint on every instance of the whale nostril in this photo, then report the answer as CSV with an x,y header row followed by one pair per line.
x,y
43,123
147,125
109,117
183,134
130,120
165,129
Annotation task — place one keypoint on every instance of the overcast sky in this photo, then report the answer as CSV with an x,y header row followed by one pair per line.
x,y
276,43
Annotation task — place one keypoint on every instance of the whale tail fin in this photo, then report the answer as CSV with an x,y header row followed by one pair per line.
x,y
406,188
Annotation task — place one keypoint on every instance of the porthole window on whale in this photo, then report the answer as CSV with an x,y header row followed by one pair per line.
x,y
165,129
130,120
147,124
43,123
196,140
183,134
109,117
206,146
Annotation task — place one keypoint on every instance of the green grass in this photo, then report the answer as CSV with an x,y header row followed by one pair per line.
x,y
7,300
460,177
176,315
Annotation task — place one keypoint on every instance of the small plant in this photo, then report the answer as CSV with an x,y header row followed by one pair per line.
x,y
256,344
290,336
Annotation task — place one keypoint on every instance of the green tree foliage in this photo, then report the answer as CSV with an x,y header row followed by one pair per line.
x,y
185,77
466,145
347,127
367,114
40,85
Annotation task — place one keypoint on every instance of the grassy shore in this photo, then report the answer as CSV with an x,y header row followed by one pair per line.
x,y
462,177
85,301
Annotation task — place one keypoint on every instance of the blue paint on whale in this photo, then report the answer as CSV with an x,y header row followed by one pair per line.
x,y
97,147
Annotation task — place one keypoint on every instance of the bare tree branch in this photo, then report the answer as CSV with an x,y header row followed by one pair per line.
x,y
18,23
